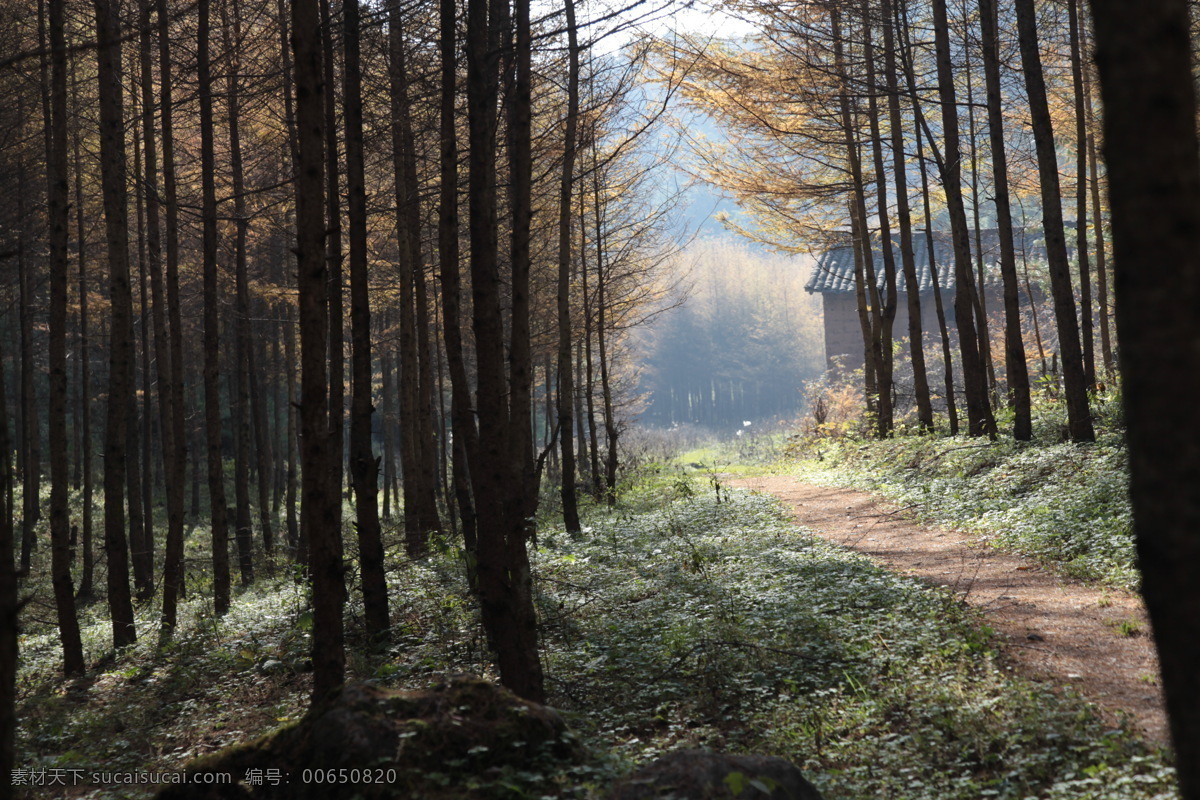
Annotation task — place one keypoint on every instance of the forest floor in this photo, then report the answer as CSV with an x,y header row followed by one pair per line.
x,y
1054,629
885,658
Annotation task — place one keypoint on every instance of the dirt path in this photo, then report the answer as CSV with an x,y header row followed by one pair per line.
x,y
1054,629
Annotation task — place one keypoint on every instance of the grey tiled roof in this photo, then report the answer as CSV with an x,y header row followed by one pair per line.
x,y
834,272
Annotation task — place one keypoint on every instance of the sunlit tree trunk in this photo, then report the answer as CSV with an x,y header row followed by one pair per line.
x,y
1102,291
864,278
916,336
589,385
886,318
978,295
296,536
297,541
1081,199
906,60
980,421
1016,369
611,430
1079,420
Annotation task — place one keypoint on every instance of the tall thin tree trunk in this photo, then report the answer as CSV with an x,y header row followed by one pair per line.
x,y
9,606
1079,419
589,384
1102,293
427,457
978,285
31,447
297,541
420,506
133,471
174,483
860,235
120,360
980,421
364,468
256,355
566,376
172,388
141,490
85,370
582,455
1081,198
462,418
385,369
240,402
916,336
611,430
321,505
886,317
939,309
333,242
443,416
1016,369
59,219
137,518
212,364
276,446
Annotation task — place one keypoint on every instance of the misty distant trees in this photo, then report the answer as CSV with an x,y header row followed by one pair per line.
x,y
856,121
741,345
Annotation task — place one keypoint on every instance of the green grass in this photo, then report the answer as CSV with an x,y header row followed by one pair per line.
x,y
720,624
687,617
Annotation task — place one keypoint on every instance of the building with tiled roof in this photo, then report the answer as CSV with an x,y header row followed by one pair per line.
x,y
833,279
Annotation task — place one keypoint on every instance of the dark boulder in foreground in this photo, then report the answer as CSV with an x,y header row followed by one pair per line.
x,y
464,738
703,775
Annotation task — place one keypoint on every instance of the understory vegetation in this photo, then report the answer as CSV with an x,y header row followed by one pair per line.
x,y
692,615
1063,503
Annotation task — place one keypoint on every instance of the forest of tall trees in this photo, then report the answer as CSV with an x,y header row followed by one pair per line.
x,y
276,274
260,255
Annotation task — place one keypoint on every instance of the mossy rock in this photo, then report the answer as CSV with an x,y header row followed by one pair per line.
x,y
704,775
463,738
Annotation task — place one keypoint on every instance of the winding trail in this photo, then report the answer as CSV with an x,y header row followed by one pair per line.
x,y
1054,629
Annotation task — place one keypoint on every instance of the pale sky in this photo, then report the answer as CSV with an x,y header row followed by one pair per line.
x,y
661,17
